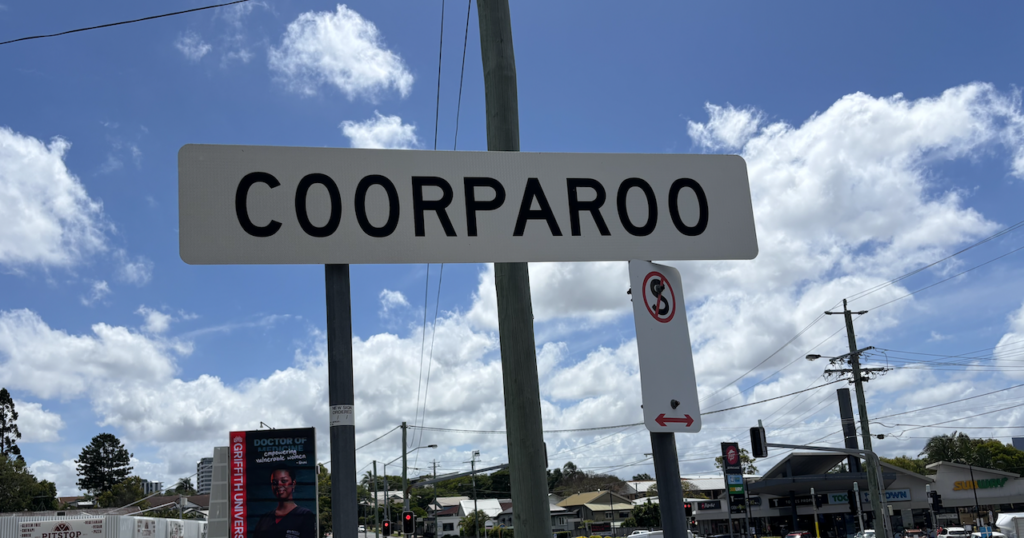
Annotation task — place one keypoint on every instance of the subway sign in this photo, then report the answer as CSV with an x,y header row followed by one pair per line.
x,y
979,484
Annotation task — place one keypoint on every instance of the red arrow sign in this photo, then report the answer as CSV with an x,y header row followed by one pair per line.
x,y
685,420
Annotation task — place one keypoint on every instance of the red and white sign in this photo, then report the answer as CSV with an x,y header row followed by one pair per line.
x,y
732,455
659,297
667,381
237,486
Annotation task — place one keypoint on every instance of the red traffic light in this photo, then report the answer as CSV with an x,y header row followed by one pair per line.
x,y
408,517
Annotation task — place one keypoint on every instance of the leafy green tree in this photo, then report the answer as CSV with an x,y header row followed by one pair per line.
x,y
468,524
554,476
642,476
949,447
103,463
647,515
746,462
324,500
690,491
123,493
20,490
908,463
993,454
501,484
9,433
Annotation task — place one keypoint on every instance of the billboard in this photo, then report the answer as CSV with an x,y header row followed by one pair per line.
x,y
273,487
62,528
145,527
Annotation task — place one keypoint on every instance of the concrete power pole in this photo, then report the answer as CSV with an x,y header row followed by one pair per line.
x,y
376,511
405,468
527,462
877,490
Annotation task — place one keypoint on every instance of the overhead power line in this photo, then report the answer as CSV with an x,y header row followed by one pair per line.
x,y
122,22
379,438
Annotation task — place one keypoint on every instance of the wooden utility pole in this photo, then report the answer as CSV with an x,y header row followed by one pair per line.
x,y
523,423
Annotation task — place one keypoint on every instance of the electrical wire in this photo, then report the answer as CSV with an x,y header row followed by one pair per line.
x,y
379,438
430,356
876,307
465,41
122,22
771,399
440,50
869,291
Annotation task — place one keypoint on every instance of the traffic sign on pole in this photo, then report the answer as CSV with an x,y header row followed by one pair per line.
x,y
667,381
288,205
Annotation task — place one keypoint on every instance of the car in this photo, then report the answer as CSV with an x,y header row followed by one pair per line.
x,y
994,535
914,533
867,533
950,532
362,528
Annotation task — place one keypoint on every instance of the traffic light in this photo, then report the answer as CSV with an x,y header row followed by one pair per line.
x,y
817,501
689,509
852,497
386,528
936,501
408,522
758,442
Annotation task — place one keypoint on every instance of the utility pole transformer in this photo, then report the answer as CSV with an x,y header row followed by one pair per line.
x,y
523,421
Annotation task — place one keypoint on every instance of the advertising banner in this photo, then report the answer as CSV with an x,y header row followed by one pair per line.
x,y
62,528
145,527
273,484
175,529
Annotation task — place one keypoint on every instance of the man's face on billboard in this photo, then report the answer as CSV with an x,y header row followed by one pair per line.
x,y
282,484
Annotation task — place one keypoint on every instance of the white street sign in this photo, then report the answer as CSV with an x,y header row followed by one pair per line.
x,y
667,381
260,205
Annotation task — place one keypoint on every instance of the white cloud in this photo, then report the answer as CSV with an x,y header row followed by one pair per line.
x,y
381,132
63,474
729,128
390,300
136,271
1010,349
97,291
192,46
36,424
51,363
341,49
49,218
156,322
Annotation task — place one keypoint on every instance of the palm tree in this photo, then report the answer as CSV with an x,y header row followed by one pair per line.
x,y
952,447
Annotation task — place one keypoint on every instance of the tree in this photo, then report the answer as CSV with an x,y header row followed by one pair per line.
x,y
746,462
102,464
647,515
19,490
642,476
184,487
324,501
468,524
9,433
908,463
123,493
949,447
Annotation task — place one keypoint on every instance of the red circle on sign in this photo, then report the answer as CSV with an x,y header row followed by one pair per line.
x,y
732,455
648,294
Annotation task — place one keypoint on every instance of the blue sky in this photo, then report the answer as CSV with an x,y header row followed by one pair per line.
x,y
878,139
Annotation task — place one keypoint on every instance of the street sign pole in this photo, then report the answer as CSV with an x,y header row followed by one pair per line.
x,y
342,397
666,472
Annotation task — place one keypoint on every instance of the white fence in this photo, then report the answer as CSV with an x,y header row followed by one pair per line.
x,y
115,526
